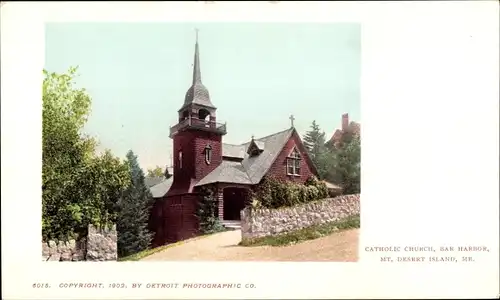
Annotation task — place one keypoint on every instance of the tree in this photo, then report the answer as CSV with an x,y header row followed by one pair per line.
x,y
78,187
134,209
314,141
207,213
346,169
155,172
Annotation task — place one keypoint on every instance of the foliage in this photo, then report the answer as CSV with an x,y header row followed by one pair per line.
x,y
159,172
133,211
156,172
274,193
314,141
338,164
78,186
304,234
207,213
321,186
346,169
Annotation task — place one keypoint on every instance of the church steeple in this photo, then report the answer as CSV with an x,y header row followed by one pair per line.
x,y
197,112
196,65
197,94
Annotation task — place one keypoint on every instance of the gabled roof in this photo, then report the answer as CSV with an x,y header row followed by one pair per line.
x,y
248,170
353,128
257,166
252,168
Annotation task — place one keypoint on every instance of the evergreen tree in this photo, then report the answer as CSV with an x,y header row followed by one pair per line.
x,y
346,169
314,141
207,213
134,209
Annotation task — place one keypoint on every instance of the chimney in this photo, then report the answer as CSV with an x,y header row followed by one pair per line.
x,y
345,121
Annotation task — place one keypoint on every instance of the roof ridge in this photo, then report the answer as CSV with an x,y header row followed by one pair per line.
x,y
245,171
270,135
291,130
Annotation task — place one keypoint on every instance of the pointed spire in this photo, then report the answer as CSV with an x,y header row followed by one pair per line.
x,y
197,93
196,67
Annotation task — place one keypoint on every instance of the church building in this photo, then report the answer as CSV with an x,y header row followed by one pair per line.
x,y
202,159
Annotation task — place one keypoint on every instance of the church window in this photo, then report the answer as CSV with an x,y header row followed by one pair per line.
x,y
208,154
180,159
293,163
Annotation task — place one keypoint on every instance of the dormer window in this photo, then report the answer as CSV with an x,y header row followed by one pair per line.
x,y
293,163
255,148
254,152
208,154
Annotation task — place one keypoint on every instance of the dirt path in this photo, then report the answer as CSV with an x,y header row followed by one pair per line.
x,y
341,247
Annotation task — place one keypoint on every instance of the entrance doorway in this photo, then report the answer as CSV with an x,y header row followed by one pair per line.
x,y
234,202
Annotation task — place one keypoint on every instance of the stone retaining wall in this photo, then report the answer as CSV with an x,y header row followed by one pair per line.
x,y
99,245
264,222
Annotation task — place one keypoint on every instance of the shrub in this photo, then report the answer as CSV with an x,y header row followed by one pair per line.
x,y
273,193
207,213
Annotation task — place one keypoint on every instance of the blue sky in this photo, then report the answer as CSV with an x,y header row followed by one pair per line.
x,y
257,74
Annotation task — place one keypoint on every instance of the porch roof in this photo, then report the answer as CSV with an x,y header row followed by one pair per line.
x,y
332,186
159,190
227,171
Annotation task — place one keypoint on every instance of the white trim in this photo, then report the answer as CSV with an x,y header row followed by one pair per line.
x,y
208,154
180,159
293,162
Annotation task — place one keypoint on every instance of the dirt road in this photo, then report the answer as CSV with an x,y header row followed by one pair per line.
x,y
340,247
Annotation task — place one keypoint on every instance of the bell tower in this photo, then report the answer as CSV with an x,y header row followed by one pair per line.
x,y
197,136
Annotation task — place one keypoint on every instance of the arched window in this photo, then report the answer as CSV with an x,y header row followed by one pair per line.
x,y
180,159
204,114
208,154
293,163
185,115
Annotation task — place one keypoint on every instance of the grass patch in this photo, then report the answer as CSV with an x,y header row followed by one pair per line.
x,y
308,233
140,255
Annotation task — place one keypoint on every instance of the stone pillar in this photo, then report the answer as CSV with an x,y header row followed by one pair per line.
x,y
220,203
102,244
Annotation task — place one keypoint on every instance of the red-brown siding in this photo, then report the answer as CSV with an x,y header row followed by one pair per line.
x,y
278,168
194,166
173,218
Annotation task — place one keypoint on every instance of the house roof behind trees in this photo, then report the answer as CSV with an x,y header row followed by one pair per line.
x,y
152,181
347,127
160,189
